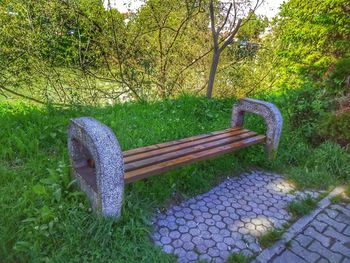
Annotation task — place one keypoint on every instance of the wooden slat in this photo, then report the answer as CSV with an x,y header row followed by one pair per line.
x,y
186,151
181,146
170,143
202,155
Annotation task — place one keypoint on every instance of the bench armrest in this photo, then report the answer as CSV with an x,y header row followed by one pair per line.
x,y
94,149
269,112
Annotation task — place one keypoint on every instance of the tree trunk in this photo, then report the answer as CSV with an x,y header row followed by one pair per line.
x,y
213,68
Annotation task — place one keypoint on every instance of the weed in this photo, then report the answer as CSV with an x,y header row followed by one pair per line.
x,y
270,237
288,244
238,258
303,206
340,198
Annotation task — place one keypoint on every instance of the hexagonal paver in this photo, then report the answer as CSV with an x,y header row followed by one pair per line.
x,y
227,219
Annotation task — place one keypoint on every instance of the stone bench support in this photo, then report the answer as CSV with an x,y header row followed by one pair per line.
x,y
271,115
97,163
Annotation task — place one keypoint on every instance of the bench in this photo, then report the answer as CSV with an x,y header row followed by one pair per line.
x,y
102,169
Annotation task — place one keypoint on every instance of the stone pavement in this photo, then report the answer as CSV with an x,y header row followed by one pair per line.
x,y
228,219
323,238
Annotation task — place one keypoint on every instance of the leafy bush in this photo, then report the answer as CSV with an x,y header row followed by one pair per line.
x,y
336,127
340,73
303,107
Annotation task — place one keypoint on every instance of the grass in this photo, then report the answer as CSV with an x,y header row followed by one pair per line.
x,y
271,236
341,198
303,206
45,218
238,258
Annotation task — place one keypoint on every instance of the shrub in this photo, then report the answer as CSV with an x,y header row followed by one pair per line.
x,y
336,127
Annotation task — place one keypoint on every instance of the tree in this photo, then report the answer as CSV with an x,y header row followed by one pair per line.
x,y
225,21
165,29
312,36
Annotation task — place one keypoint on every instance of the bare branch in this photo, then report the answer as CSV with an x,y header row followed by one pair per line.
x,y
231,36
226,18
212,22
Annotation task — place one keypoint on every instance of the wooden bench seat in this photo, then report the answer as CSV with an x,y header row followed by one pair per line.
x,y
147,161
151,160
102,169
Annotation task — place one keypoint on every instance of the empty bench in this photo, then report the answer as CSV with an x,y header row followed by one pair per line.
x,y
102,169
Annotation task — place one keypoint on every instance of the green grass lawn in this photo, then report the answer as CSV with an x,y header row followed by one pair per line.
x,y
45,218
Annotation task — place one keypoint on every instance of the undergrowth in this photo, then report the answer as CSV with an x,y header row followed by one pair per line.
x,y
45,218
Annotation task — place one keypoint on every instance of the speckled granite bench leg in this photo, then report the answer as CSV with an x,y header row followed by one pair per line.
x,y
94,149
269,112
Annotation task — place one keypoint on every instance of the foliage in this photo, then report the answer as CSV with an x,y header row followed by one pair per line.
x,y
313,35
340,75
78,52
336,127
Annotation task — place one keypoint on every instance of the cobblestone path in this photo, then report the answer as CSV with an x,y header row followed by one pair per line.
x,y
228,219
325,239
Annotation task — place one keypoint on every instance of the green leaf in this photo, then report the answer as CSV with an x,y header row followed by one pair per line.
x,y
39,190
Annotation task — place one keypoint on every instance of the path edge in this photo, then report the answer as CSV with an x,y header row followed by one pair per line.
x,y
267,254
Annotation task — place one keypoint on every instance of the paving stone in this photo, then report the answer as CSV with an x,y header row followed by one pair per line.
x,y
342,249
303,240
183,229
205,258
341,209
227,219
254,247
177,243
168,249
304,253
217,238
165,240
319,226
180,252
224,232
214,230
247,253
323,260
188,246
347,231
332,213
174,234
342,218
329,221
326,253
195,232
229,241
190,256
330,232
324,240
288,257
221,246
202,226
213,252
191,224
